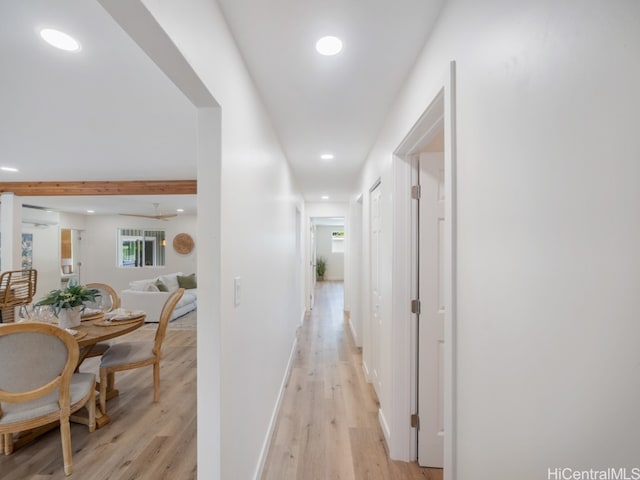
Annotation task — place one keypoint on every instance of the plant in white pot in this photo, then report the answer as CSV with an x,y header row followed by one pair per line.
x,y
68,303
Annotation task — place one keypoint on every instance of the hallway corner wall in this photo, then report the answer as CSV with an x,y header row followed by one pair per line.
x,y
547,257
253,245
354,245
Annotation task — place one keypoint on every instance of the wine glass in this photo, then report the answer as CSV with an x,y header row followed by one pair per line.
x,y
23,314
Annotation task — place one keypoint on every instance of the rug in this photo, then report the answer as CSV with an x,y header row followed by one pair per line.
x,y
187,321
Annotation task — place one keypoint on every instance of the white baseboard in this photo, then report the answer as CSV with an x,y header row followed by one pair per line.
x,y
367,377
274,416
384,426
353,333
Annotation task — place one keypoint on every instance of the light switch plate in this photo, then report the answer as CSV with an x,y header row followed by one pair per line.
x,y
236,291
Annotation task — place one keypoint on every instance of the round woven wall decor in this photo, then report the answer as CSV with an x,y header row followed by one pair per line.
x,y
183,243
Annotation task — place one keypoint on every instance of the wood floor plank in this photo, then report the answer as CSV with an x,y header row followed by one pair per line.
x,y
338,438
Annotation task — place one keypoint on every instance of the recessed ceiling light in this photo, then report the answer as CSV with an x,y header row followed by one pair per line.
x,y
91,211
327,156
325,197
9,169
179,209
60,40
329,45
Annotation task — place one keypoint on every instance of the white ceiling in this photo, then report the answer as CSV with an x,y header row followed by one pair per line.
x,y
106,113
335,104
109,113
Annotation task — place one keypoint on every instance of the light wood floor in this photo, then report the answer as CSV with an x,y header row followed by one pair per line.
x,y
327,428
145,440
328,424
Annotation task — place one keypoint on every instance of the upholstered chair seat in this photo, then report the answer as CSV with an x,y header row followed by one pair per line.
x,y
127,352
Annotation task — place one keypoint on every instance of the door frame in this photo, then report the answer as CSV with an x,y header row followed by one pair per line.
x,y
312,262
372,363
439,114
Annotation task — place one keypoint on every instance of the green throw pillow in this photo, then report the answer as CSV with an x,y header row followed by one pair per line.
x,y
161,286
187,281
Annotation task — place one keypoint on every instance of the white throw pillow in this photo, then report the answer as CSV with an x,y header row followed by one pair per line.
x,y
140,285
170,280
151,287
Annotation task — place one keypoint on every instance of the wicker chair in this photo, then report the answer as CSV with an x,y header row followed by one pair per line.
x,y
17,288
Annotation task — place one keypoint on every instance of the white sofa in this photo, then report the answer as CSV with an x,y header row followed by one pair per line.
x,y
145,295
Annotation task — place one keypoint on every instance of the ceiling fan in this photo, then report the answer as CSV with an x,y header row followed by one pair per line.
x,y
157,216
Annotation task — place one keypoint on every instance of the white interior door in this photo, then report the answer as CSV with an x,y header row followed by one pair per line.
x,y
432,310
313,265
376,295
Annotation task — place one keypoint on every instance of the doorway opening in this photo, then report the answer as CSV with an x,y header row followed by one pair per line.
x,y
70,257
427,154
328,249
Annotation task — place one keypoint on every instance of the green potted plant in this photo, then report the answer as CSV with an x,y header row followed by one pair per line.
x,y
68,303
321,267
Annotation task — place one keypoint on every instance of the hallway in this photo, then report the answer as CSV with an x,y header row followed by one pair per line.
x,y
328,424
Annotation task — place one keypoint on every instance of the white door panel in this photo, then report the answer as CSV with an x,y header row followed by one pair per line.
x,y
376,296
313,266
432,310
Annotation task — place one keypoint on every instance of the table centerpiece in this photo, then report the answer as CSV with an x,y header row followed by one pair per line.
x,y
67,303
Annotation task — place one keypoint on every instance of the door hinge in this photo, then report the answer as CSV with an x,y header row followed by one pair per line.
x,y
415,421
415,192
415,306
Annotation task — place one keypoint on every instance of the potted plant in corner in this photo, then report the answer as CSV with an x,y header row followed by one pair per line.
x,y
67,303
321,267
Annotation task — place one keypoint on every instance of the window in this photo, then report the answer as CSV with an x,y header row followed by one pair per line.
x,y
337,241
141,248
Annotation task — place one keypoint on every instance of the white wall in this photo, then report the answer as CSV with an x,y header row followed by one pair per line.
x,y
46,246
335,261
73,221
548,229
258,238
46,257
100,252
98,249
10,227
354,245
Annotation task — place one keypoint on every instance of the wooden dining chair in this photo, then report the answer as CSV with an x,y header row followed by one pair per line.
x,y
107,301
37,383
128,355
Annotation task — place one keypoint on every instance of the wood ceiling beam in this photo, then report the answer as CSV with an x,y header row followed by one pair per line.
x,y
129,187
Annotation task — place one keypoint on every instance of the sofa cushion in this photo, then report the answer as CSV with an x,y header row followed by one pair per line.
x,y
185,301
170,280
160,286
141,285
187,281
